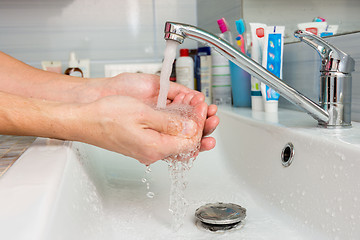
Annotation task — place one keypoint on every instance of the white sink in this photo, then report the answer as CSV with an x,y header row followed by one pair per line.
x,y
65,190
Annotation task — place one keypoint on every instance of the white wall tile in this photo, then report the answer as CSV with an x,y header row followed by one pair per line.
x,y
209,11
344,13
175,11
104,31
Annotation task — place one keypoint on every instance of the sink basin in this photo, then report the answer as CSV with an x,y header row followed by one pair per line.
x,y
70,190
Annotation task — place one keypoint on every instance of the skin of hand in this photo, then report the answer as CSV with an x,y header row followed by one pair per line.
x,y
20,79
117,123
135,129
145,87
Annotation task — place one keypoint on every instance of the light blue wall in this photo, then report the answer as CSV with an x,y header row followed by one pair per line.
x,y
104,31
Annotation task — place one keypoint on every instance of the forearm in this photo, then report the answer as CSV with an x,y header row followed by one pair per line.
x,y
21,79
33,117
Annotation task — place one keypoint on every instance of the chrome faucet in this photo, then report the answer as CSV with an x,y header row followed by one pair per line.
x,y
336,68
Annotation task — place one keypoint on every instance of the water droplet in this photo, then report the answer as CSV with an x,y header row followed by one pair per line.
x,y
148,169
143,180
150,195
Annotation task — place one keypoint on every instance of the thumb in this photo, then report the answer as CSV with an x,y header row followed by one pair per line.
x,y
171,124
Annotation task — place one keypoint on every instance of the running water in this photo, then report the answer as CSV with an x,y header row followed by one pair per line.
x,y
178,171
178,164
169,57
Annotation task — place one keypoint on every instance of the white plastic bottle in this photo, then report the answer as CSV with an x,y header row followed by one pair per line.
x,y
73,69
185,69
221,80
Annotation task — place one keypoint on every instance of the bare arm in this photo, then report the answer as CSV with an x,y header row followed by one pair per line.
x,y
31,117
21,79
117,123
29,84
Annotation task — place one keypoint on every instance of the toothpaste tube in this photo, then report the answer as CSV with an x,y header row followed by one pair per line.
x,y
314,27
330,30
272,61
257,38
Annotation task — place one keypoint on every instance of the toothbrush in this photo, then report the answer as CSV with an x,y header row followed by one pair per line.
x,y
241,43
224,28
240,27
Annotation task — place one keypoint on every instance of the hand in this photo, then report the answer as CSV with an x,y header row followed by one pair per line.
x,y
145,87
128,126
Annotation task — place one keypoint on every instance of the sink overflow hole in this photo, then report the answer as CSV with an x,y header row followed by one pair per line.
x,y
287,154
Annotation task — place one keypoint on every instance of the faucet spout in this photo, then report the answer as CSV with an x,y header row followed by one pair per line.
x,y
179,31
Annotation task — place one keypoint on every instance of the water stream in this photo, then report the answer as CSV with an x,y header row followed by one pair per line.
x,y
169,57
178,164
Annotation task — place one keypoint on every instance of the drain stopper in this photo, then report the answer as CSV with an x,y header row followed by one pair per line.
x,y
220,216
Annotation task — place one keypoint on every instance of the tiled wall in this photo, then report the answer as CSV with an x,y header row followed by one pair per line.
x,y
209,11
301,63
344,13
105,31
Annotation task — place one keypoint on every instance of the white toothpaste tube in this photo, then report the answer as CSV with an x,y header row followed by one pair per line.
x,y
257,39
272,61
314,27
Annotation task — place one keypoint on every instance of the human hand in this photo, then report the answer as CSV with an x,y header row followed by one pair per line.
x,y
128,126
145,87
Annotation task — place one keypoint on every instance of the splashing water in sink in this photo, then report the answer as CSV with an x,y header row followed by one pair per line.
x,y
179,166
180,163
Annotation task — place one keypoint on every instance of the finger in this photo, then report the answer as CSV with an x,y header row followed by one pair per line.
x,y
188,97
210,125
170,124
212,110
207,144
199,97
179,98
176,88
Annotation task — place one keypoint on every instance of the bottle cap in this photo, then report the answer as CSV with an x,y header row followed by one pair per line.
x,y
73,63
271,107
257,103
184,52
204,51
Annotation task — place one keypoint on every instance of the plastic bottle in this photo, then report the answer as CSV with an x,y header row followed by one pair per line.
x,y
185,69
221,80
204,54
73,69
173,72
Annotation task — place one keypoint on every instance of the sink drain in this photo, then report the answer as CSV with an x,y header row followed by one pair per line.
x,y
220,216
287,154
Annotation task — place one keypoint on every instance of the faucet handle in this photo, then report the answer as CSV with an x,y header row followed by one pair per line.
x,y
332,58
